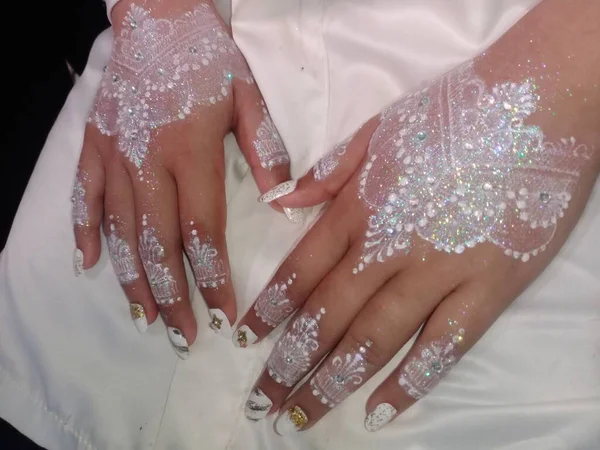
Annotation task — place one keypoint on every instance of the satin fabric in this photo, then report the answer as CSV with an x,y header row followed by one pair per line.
x,y
74,373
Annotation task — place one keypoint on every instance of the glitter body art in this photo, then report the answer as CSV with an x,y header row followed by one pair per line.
x,y
420,374
162,282
336,380
328,163
121,257
79,209
160,69
456,164
208,267
291,359
268,143
273,305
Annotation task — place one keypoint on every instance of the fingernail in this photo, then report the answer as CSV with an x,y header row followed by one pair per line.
x,y
258,405
218,321
295,215
290,422
78,262
139,317
244,337
380,417
281,190
179,342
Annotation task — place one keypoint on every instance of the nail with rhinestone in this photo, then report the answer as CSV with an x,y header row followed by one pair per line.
x,y
218,321
244,337
290,422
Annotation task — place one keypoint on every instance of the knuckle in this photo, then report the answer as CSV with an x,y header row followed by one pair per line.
x,y
374,351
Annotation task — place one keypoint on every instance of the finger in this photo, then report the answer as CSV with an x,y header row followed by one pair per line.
x,y
329,174
120,230
317,253
453,328
261,143
160,249
319,325
373,337
203,225
87,201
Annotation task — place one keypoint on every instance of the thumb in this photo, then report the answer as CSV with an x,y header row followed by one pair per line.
x,y
329,175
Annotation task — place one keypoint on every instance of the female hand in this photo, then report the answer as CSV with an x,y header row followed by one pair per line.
x,y
443,209
152,164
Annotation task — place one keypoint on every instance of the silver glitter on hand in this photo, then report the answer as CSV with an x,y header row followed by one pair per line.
x,y
160,70
456,164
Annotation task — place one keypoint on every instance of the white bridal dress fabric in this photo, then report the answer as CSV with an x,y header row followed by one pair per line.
x,y
74,373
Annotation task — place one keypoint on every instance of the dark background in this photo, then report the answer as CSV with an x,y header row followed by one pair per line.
x,y
42,40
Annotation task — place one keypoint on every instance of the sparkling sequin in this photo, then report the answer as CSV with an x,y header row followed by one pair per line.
x,y
466,169
273,305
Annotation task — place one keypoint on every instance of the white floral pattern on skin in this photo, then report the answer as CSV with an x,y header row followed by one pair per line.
x,y
268,143
160,69
419,375
162,283
209,269
273,305
291,359
121,257
335,381
79,210
456,164
328,163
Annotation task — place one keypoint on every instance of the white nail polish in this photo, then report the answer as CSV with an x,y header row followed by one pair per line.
x,y
258,405
78,262
244,337
380,417
178,342
295,215
290,422
281,190
138,314
218,321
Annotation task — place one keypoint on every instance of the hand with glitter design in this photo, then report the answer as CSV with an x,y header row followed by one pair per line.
x,y
152,164
441,211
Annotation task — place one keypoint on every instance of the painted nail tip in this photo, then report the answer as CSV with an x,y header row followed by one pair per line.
x,y
78,262
295,215
291,422
219,322
281,190
257,406
179,342
244,336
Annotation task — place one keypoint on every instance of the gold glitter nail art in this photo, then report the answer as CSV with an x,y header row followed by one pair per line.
x,y
242,338
137,311
297,417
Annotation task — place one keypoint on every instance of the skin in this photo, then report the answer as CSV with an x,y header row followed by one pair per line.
x,y
183,182
388,302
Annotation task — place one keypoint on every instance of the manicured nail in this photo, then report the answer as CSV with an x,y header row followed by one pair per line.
x,y
380,417
281,190
78,262
179,342
244,337
258,405
218,321
295,215
290,422
139,317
